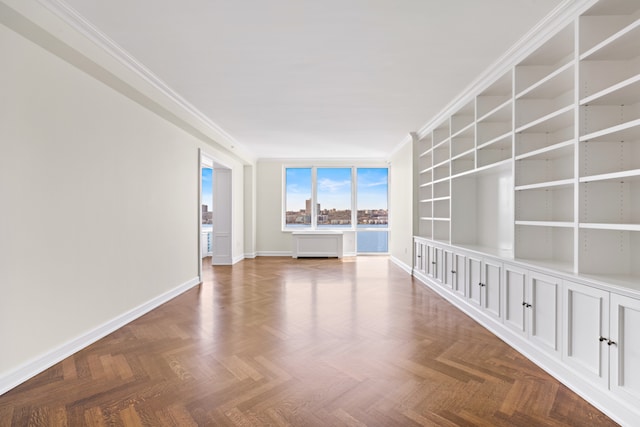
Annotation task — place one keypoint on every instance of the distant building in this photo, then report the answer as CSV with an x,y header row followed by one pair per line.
x,y
207,216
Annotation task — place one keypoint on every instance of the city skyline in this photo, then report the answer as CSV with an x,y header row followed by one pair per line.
x,y
334,188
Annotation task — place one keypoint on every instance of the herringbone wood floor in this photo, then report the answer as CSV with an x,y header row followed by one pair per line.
x,y
307,342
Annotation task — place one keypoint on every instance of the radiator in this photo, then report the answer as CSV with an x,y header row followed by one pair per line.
x,y
317,244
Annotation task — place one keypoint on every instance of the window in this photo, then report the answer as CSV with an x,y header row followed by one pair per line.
x,y
298,197
373,214
334,197
340,198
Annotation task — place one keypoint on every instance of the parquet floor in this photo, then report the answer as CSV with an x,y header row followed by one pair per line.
x,y
307,342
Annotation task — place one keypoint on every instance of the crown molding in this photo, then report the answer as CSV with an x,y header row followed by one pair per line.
x,y
407,140
78,23
557,19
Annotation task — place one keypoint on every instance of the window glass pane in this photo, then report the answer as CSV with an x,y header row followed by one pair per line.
x,y
373,241
298,197
372,197
207,196
334,197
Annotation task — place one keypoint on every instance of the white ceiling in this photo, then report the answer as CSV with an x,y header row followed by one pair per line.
x,y
316,78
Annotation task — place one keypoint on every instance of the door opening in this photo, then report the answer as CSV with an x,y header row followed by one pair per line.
x,y
215,211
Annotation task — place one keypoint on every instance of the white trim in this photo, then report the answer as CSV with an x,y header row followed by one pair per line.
x,y
56,355
406,140
407,268
250,255
76,21
237,259
559,17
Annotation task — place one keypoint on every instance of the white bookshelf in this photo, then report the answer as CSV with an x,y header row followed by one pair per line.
x,y
545,160
533,183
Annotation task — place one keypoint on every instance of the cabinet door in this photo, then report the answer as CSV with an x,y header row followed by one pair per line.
x,y
474,280
448,268
515,282
492,287
586,322
625,353
418,256
438,264
544,308
458,271
432,261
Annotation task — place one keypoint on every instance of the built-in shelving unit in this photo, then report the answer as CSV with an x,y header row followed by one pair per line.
x,y
533,182
551,148
609,142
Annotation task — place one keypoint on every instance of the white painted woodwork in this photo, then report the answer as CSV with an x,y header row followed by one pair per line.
x,y
543,164
474,280
625,369
222,217
432,261
440,264
542,186
586,320
544,311
492,287
515,295
317,244
454,271
419,256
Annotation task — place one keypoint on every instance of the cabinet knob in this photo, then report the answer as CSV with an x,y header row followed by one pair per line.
x,y
610,343
603,339
418,256
528,305
453,272
433,262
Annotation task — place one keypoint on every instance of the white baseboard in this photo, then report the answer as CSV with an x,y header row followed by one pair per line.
x,y
237,259
251,255
30,369
402,265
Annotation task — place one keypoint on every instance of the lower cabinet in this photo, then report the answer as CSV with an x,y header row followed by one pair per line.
x,y
625,355
434,261
484,284
603,342
419,256
586,331
586,319
454,271
532,307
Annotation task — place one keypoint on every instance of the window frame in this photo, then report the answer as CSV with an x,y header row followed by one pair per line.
x,y
314,198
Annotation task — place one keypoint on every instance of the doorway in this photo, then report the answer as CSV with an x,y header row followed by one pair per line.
x,y
215,211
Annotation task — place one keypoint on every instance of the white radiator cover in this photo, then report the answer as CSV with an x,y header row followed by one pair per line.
x,y
317,244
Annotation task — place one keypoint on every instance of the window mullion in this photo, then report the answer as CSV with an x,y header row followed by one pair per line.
x,y
354,198
314,198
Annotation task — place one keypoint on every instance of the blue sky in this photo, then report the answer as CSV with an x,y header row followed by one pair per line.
x,y
334,188
207,187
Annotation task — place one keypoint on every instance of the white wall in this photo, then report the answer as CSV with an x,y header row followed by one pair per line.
x,y
249,211
401,205
99,209
270,239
